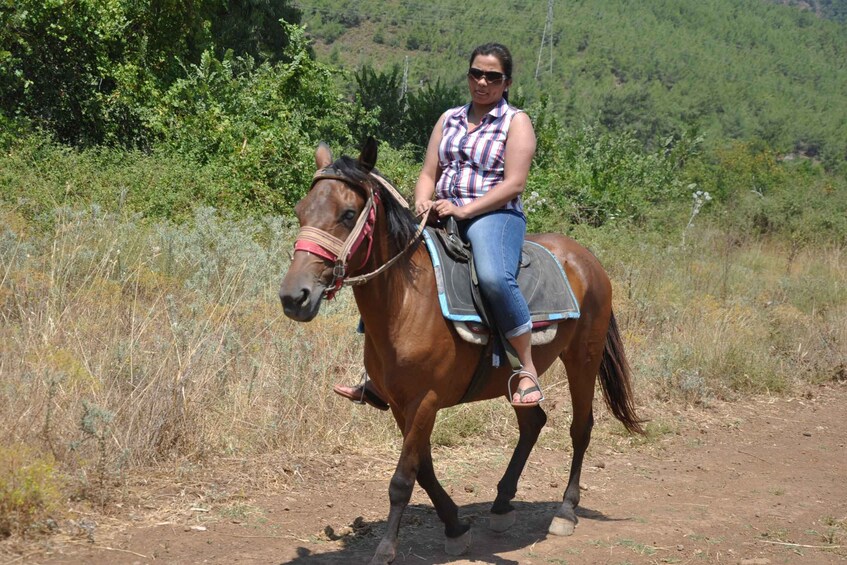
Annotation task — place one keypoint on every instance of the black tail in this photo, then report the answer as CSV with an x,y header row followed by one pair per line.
x,y
615,380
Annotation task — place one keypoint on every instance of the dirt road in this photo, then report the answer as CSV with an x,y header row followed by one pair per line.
x,y
751,483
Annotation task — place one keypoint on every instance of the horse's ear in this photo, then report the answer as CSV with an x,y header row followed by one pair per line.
x,y
323,156
367,158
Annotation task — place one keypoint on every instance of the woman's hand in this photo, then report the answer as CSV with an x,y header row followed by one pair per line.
x,y
422,206
446,208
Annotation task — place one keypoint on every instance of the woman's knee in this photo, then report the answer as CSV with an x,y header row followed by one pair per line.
x,y
493,283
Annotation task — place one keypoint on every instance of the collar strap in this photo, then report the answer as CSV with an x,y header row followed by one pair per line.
x,y
319,242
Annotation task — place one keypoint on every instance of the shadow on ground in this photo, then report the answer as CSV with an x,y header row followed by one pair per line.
x,y
421,537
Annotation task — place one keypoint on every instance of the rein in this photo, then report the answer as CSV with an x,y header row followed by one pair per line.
x,y
327,246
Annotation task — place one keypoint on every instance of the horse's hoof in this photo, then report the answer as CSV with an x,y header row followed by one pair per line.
x,y
381,560
384,554
501,522
561,527
458,545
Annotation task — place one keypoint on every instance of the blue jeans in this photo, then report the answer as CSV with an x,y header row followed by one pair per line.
x,y
496,239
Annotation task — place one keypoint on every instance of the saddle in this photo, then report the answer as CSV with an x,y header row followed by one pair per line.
x,y
541,279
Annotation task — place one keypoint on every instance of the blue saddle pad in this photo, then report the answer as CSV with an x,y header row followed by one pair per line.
x,y
541,278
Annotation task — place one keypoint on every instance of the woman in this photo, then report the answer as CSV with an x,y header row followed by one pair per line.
x,y
476,165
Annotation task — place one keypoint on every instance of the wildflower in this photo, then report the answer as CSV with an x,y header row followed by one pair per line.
x,y
700,197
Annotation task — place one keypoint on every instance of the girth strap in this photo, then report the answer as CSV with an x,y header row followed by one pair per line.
x,y
480,374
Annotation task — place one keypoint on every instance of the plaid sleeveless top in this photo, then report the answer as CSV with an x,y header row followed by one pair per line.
x,y
472,163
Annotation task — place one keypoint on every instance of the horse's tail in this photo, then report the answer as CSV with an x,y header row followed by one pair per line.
x,y
616,382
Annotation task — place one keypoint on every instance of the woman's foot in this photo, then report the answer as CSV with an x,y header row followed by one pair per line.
x,y
528,393
364,393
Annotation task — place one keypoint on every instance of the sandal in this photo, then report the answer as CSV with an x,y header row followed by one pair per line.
x,y
522,392
362,394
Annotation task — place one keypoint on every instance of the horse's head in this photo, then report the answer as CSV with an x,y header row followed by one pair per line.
x,y
331,229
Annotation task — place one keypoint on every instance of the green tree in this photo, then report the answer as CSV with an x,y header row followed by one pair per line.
x,y
382,93
251,27
88,70
60,65
425,106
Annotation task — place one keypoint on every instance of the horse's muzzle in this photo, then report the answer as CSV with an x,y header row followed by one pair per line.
x,y
303,286
302,302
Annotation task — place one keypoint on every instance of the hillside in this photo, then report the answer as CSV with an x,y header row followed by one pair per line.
x,y
749,69
832,9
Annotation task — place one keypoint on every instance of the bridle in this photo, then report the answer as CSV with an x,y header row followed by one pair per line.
x,y
327,246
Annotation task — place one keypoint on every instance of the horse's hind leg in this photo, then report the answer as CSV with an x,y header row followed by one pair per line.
x,y
581,377
530,422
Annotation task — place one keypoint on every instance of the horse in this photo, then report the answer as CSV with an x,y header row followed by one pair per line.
x,y
355,230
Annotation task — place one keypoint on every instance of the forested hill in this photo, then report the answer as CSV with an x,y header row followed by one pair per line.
x,y
729,68
832,9
641,110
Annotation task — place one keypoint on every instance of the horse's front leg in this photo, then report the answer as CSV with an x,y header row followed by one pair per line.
x,y
416,422
399,493
457,531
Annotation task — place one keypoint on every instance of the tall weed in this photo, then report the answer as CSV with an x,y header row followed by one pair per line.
x,y
30,491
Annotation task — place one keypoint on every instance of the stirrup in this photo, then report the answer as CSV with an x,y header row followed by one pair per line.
x,y
364,396
363,383
523,392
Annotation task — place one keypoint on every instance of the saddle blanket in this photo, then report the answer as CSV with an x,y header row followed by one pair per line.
x,y
541,279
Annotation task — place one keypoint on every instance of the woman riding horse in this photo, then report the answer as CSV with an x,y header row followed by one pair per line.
x,y
477,162
355,230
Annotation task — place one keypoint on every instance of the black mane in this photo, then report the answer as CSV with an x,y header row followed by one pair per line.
x,y
401,222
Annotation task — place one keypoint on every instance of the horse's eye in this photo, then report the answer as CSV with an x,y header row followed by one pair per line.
x,y
348,216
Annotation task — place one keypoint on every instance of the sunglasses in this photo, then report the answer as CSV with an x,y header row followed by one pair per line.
x,y
491,77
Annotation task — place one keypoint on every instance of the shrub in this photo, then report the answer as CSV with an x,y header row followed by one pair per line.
x,y
88,71
37,175
29,490
588,176
425,106
261,123
762,194
382,93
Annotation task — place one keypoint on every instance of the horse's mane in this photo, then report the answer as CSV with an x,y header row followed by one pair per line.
x,y
401,222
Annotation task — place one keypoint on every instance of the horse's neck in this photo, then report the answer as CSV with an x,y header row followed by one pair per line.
x,y
398,298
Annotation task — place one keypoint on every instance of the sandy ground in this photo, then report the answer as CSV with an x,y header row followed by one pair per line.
x,y
752,483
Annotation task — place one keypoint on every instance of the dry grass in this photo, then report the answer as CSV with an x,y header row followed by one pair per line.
x,y
125,345
725,317
128,346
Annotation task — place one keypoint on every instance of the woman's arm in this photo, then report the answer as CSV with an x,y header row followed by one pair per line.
x,y
520,148
425,187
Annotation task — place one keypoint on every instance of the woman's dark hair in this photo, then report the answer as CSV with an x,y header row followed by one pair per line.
x,y
498,50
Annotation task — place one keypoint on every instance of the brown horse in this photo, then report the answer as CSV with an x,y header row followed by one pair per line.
x,y
414,356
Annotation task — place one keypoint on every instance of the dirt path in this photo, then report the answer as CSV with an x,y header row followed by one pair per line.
x,y
757,483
